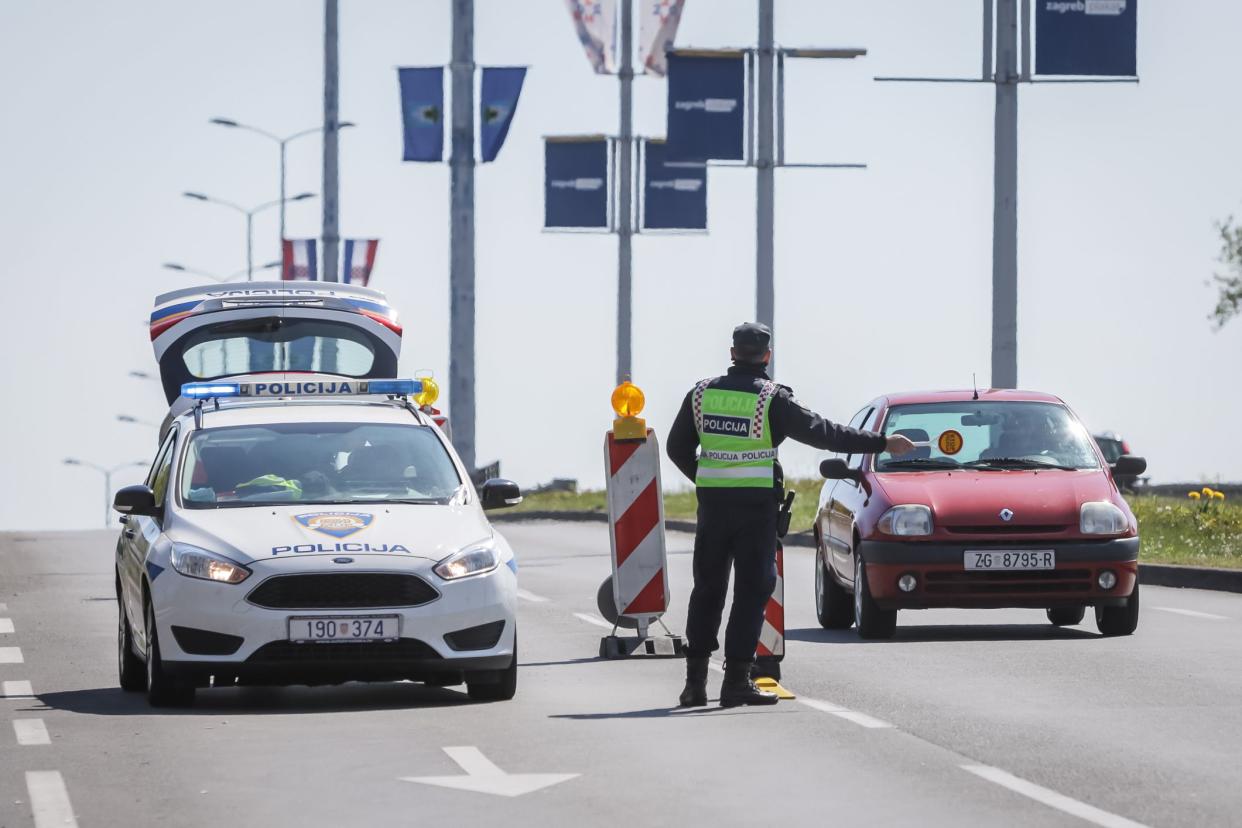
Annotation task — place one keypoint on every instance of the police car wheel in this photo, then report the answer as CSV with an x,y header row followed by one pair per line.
x,y
162,691
873,623
832,603
131,671
491,689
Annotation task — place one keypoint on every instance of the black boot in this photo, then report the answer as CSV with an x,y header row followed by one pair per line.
x,y
738,689
695,694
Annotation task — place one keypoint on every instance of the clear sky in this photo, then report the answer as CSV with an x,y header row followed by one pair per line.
x,y
883,275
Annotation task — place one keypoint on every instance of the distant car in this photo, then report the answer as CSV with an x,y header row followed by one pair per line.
x,y
1006,502
1112,446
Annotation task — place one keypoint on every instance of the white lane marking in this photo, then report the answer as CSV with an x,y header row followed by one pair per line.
x,y
49,800
31,732
4,607
593,619
482,776
1193,613
1051,798
530,596
16,690
6,625
11,655
860,719
718,666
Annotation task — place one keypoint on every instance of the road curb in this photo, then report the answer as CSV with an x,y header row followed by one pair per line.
x,y
1170,575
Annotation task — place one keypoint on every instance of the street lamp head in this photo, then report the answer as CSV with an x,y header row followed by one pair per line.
x,y
69,461
271,265
196,196
302,196
125,418
345,124
141,375
173,266
224,122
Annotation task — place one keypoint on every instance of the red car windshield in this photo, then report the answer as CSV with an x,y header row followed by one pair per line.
x,y
987,436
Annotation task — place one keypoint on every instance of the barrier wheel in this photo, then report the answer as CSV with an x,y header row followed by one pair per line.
x,y
608,608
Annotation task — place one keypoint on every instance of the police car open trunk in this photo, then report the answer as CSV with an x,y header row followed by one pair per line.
x,y
273,328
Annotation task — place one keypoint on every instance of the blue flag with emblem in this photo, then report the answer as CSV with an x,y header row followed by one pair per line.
x,y
674,197
422,112
498,98
1087,37
706,116
575,187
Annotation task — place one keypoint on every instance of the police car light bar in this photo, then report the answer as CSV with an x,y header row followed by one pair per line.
x,y
321,388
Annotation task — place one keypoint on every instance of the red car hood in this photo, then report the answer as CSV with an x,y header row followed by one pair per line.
x,y
966,498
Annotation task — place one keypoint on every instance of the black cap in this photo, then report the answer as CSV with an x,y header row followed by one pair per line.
x,y
751,340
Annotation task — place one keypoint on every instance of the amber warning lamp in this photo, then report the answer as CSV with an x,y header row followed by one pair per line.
x,y
627,402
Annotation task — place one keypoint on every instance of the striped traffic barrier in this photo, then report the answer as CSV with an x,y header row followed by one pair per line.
x,y
771,649
636,527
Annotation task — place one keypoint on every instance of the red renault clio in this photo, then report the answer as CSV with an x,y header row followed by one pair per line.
x,y
1005,502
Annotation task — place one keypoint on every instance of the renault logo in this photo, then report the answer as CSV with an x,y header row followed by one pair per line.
x,y
1006,514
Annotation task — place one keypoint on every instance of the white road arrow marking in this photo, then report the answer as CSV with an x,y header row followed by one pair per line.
x,y
484,777
6,625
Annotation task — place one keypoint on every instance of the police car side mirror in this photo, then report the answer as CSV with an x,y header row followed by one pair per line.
x,y
135,500
1128,464
498,493
835,469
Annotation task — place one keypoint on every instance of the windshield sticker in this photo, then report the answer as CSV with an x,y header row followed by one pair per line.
x,y
950,442
336,524
305,548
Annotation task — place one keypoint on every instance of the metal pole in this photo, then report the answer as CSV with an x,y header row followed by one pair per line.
x,y
250,247
765,189
988,40
1005,210
331,125
107,497
282,198
625,187
461,234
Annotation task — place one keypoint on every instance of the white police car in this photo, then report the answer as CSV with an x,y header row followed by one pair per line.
x,y
309,532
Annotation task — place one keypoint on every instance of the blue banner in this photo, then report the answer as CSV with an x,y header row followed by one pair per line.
x,y
1086,37
575,188
498,98
422,112
674,197
706,115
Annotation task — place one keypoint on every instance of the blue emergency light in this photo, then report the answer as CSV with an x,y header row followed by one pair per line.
x,y
301,388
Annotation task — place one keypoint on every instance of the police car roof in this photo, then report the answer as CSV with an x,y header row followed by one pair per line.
x,y
233,412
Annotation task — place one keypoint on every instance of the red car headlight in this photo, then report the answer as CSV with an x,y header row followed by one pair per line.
x,y
907,520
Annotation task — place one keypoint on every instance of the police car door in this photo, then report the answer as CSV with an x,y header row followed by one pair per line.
x,y
141,532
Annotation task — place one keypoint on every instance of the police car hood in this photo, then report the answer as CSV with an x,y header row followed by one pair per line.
x,y
255,533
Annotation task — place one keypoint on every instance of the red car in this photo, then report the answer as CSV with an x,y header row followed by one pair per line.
x,y
1005,502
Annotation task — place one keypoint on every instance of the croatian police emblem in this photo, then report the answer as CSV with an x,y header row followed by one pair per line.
x,y
336,524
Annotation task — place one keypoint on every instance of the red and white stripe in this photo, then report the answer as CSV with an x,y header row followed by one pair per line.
x,y
636,526
772,636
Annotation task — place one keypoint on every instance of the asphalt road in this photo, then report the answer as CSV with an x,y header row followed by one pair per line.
x,y
966,718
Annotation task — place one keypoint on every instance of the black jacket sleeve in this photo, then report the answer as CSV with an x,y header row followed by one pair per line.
x,y
683,441
792,420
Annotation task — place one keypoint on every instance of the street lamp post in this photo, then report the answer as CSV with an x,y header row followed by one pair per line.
x,y
283,142
126,418
107,475
249,214
180,268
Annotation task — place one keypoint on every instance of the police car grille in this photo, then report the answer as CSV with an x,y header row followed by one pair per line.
x,y
342,590
369,652
1008,582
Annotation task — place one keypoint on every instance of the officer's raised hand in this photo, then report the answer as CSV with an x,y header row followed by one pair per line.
x,y
899,444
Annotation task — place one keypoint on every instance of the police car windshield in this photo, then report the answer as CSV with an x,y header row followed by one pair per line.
x,y
987,436
334,463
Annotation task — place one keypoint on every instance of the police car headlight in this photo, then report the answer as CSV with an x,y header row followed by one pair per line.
x,y
1101,518
199,563
907,520
472,560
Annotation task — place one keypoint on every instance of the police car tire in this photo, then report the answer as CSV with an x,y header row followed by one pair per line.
x,y
1066,616
502,690
833,605
873,623
1121,620
131,670
162,691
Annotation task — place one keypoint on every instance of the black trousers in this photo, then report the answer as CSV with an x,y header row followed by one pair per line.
x,y
740,535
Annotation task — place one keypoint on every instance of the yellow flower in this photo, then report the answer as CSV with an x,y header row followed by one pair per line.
x,y
1194,495
1218,495
1207,492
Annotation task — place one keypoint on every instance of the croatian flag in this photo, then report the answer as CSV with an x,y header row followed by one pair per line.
x,y
298,263
359,259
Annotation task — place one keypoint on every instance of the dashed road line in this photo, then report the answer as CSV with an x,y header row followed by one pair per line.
x,y
4,607
11,655
6,625
530,596
1194,613
1051,798
49,800
592,619
860,719
16,690
31,732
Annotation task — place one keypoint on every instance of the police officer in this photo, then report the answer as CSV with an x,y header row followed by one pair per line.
x,y
735,422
